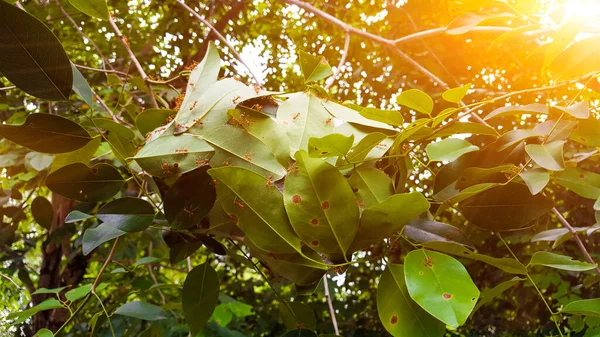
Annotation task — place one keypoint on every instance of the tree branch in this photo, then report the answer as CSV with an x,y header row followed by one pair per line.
x,y
134,59
220,37
330,303
480,29
106,262
565,223
342,61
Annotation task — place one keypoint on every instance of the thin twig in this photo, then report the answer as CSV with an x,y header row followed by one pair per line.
x,y
11,280
342,61
481,29
220,37
330,303
108,259
162,296
124,74
103,104
134,59
585,252
8,88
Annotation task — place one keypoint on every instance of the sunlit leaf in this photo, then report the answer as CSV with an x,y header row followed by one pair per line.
x,y
489,294
50,303
364,147
44,333
466,127
75,216
557,261
425,230
332,145
455,95
417,100
82,87
94,8
512,34
151,119
536,179
584,183
449,149
579,59
390,117
518,109
586,133
79,292
548,156
370,185
314,68
579,110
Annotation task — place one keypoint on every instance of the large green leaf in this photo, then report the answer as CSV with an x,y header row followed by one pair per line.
x,y
204,75
518,109
558,261
141,310
94,8
127,214
513,137
548,156
31,56
169,154
467,21
359,152
321,206
505,207
189,199
417,100
297,315
314,68
584,183
536,179
78,293
257,207
200,296
387,218
449,149
590,307
370,185
400,315
151,119
42,212
94,237
441,285
236,147
390,117
50,303
47,133
89,184
579,59
587,133
333,145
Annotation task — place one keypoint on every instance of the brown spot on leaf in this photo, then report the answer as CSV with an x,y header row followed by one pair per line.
x,y
447,296
314,221
581,175
355,190
394,319
314,243
325,205
582,139
296,199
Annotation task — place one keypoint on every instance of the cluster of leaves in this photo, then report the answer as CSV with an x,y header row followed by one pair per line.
x,y
303,182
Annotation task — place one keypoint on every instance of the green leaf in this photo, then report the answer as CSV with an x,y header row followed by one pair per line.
x,y
314,68
536,179
321,206
516,136
417,100
145,260
110,125
449,149
256,207
75,216
47,134
200,296
347,114
127,214
589,307
94,8
48,291
586,133
189,199
425,230
518,109
370,185
466,127
151,119
579,59
561,262
83,155
455,95
548,156
89,184
44,333
79,292
584,183
400,315
505,207
489,294
390,117
42,212
579,110
364,147
240,309
31,56
467,21
169,154
441,285
141,310
22,316
297,315
388,218
222,315
472,176
82,87
333,145
94,237
236,147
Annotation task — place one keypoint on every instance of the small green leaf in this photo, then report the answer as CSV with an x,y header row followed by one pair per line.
x,y
200,296
584,183
350,115
425,230
94,8
518,109
22,316
44,333
536,179
314,68
370,185
42,212
557,261
204,75
240,309
127,214
332,145
222,315
489,294
364,147
48,291
89,184
589,307
579,110
449,149
75,216
151,119
47,133
548,156
390,117
297,315
82,87
94,237
79,292
31,57
467,21
441,285
145,260
455,95
417,100
141,310
399,314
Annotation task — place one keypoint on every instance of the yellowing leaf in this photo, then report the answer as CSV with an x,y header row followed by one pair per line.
x,y
449,149
314,68
417,100
548,156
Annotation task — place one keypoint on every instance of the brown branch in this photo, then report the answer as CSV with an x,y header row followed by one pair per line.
x,y
330,304
342,61
220,37
586,254
109,71
106,262
481,29
134,59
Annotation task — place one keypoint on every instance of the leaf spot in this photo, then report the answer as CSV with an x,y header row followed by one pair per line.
x,y
355,190
582,176
447,296
314,222
394,319
325,205
296,199
314,243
